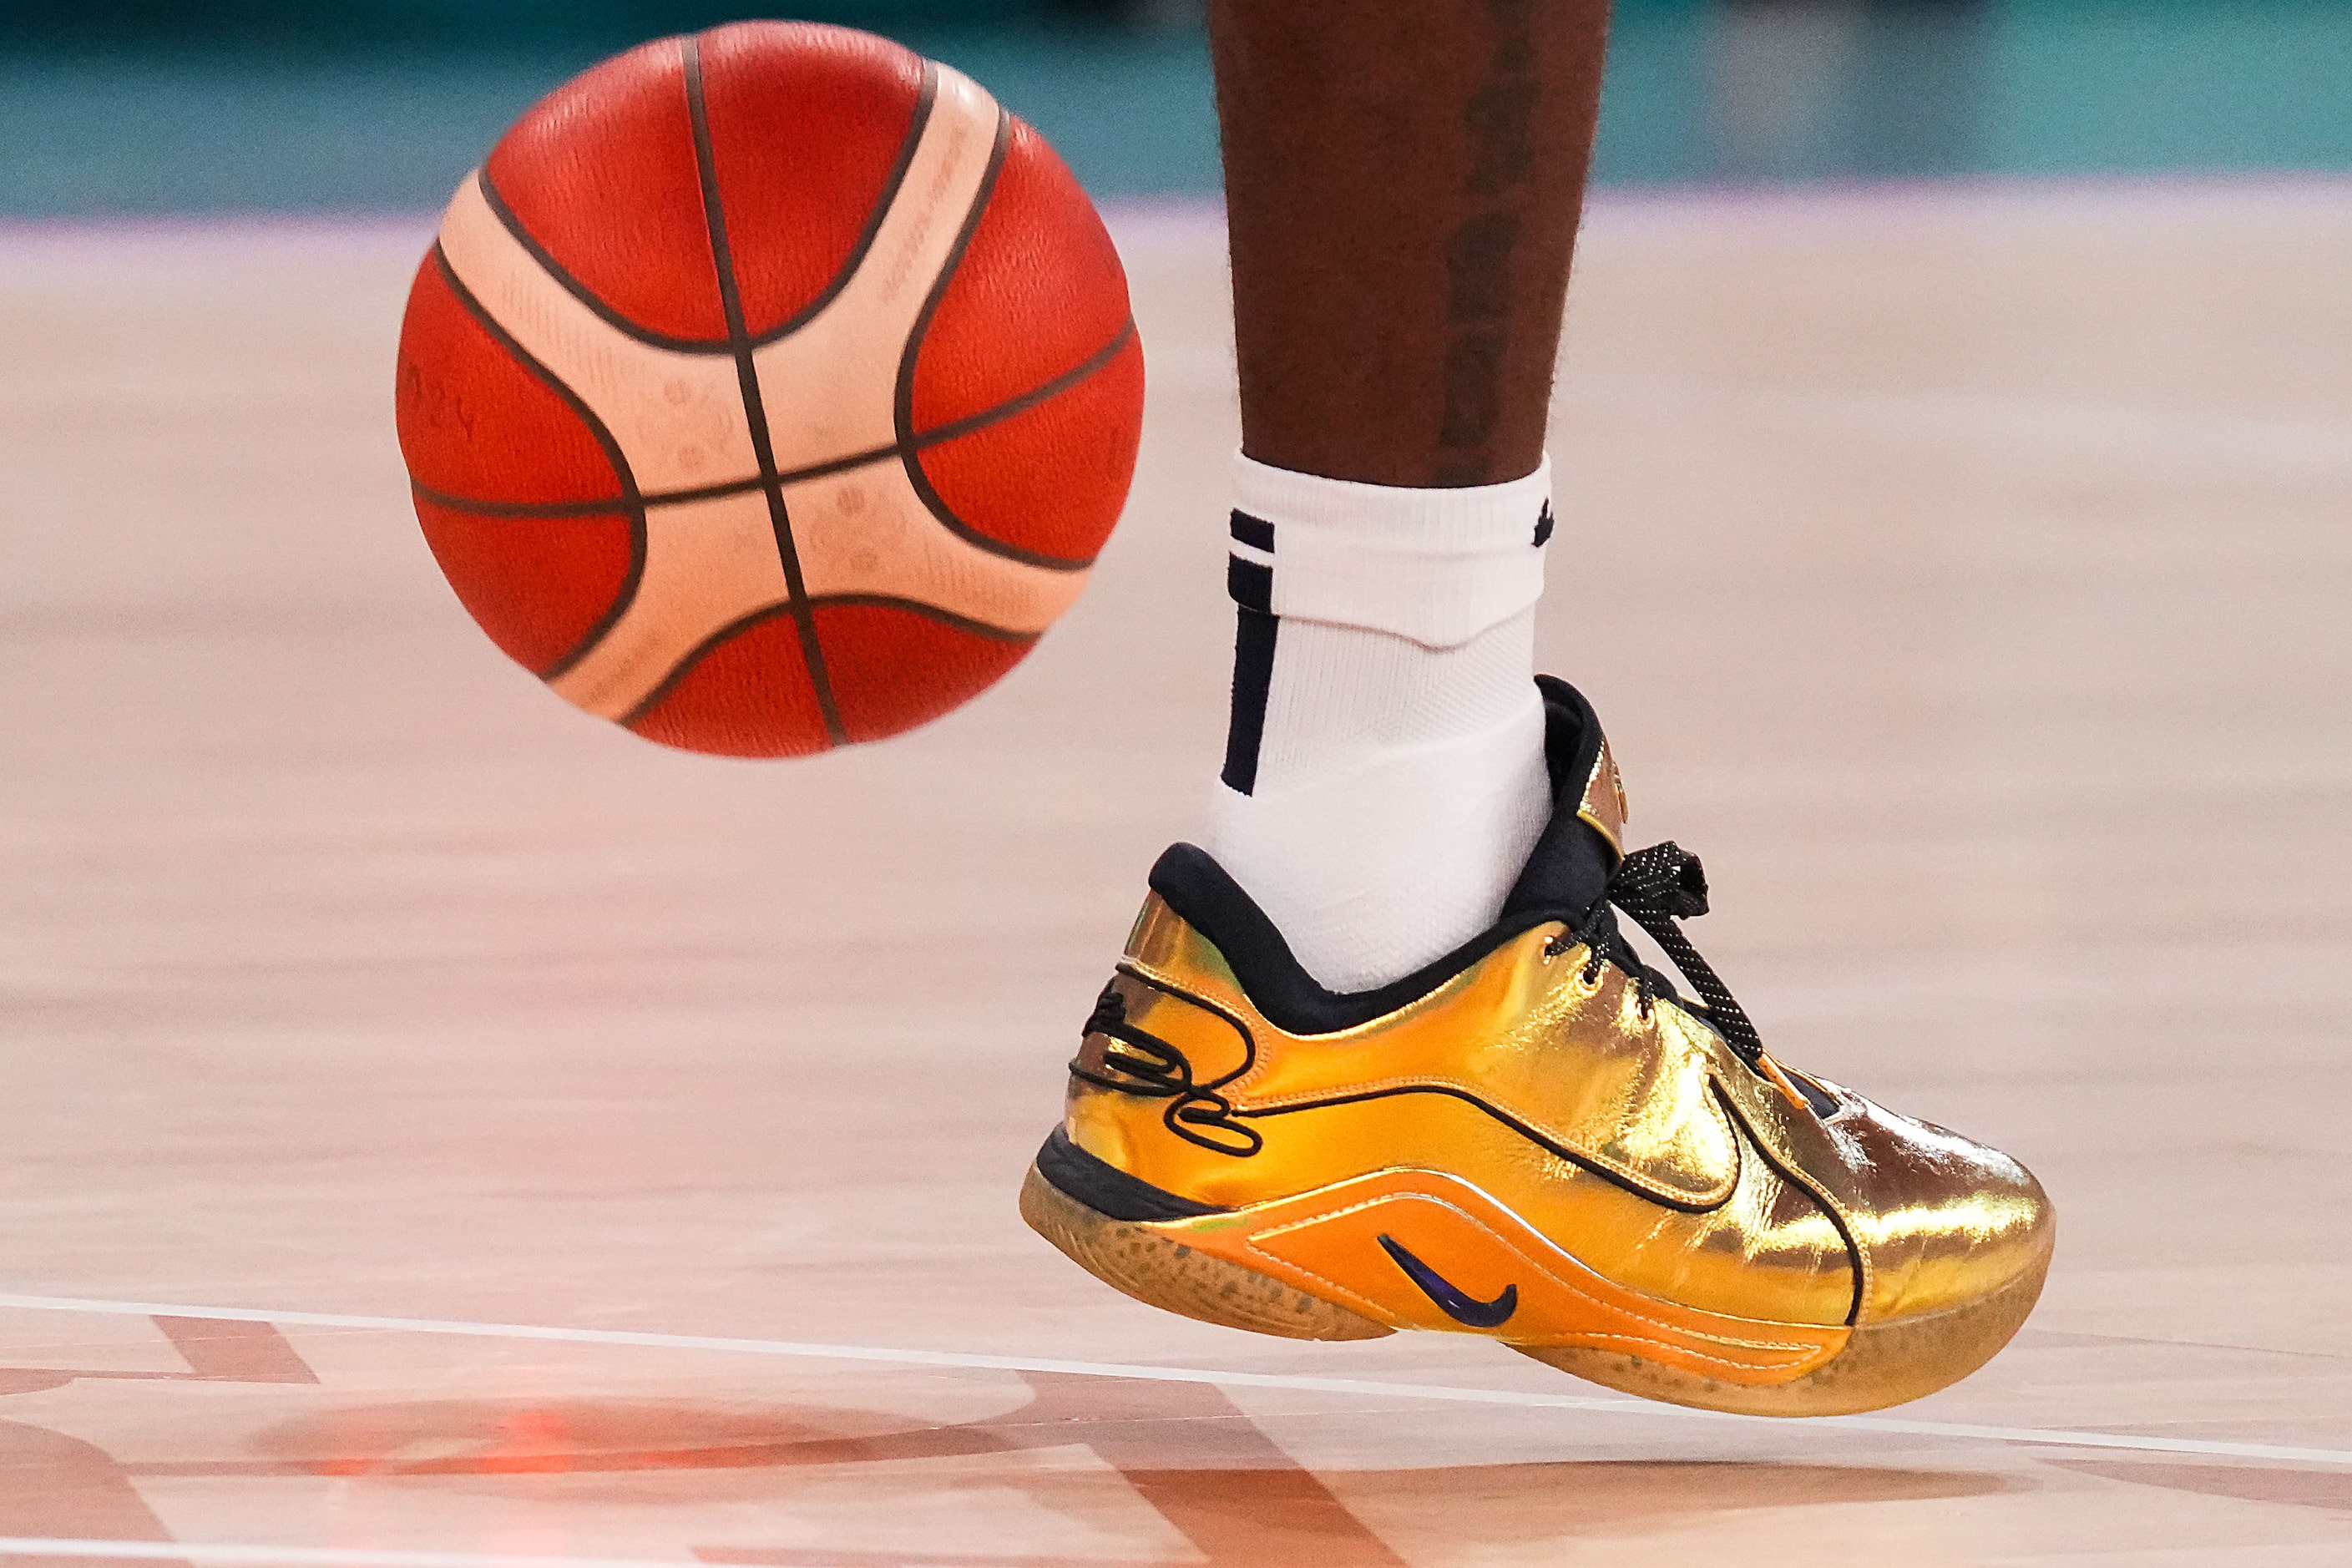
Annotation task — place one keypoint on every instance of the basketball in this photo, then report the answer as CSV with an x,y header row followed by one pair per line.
x,y
769,390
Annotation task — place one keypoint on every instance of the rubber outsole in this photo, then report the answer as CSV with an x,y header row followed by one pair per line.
x,y
1161,1271
1881,1364
1886,1363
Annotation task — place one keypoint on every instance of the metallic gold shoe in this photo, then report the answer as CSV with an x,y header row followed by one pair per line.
x,y
1535,1139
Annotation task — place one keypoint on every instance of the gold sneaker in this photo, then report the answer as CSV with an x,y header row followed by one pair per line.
x,y
1535,1139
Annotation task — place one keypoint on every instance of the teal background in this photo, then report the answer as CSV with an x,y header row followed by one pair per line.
x,y
380,105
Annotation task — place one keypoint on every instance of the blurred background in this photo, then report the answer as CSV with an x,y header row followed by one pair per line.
x,y
133,106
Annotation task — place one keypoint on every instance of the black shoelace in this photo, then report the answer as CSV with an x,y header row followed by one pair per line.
x,y
1657,886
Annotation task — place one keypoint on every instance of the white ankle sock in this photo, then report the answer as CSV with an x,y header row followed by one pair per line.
x,y
1384,775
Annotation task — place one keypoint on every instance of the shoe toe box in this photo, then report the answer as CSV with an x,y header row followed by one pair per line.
x,y
1947,1222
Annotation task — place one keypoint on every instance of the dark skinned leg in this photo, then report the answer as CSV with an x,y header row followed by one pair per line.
x,y
1403,179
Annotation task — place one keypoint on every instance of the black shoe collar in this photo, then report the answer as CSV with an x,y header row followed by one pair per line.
x,y
1565,876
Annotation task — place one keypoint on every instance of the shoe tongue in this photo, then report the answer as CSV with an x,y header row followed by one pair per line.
x,y
1570,869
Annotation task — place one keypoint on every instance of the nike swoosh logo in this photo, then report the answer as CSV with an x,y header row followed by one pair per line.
x,y
1467,1310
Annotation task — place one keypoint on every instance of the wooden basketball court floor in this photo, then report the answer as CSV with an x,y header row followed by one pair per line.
x,y
443,1132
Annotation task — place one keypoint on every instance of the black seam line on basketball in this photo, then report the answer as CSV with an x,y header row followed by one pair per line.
x,y
755,409
632,500
744,623
875,217
702,650
928,611
937,435
903,405
1810,1188
573,286
1583,1162
612,317
558,510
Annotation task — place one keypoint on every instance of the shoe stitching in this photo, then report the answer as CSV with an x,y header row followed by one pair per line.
x,y
1533,1263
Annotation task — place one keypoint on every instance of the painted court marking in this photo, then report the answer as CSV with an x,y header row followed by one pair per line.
x,y
2044,1436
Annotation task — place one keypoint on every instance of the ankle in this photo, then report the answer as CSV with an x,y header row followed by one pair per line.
x,y
1384,775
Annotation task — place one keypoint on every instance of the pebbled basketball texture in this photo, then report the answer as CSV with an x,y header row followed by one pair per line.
x,y
769,390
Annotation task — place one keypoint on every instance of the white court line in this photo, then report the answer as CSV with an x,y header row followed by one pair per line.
x,y
303,1556
2043,1436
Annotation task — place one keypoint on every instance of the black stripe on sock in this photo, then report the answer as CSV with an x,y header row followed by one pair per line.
x,y
1251,584
1253,631
1253,532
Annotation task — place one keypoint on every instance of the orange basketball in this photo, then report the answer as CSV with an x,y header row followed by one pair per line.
x,y
769,390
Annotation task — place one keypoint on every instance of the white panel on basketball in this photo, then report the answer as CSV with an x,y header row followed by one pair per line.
x,y
866,531
708,563
679,418
830,391
830,387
